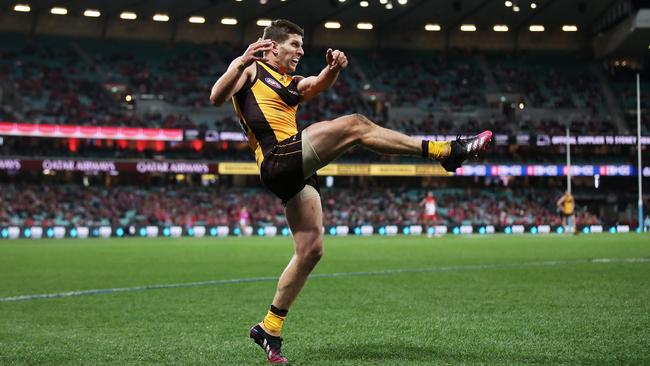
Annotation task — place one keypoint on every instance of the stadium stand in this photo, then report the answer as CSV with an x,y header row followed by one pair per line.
x,y
69,204
80,81
83,82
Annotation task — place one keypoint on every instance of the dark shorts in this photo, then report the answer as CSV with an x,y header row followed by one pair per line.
x,y
281,170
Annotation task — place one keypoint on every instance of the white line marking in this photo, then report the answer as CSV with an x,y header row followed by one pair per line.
x,y
458,268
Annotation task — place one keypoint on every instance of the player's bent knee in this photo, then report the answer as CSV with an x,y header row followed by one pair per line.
x,y
315,253
362,120
312,250
358,126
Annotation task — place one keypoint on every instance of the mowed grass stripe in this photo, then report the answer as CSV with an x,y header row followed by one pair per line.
x,y
325,275
54,266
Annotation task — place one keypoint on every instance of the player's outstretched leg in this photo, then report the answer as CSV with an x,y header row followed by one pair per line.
x,y
330,139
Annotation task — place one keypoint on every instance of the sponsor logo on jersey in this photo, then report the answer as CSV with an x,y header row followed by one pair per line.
x,y
272,82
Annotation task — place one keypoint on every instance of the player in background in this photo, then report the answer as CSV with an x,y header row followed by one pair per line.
x,y
566,206
266,96
244,220
429,217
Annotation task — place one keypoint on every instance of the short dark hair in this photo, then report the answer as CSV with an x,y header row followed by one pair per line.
x,y
280,29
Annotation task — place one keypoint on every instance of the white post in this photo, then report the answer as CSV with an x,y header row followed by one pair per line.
x,y
568,160
638,147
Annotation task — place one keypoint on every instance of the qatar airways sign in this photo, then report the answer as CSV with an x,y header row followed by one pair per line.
x,y
10,164
113,167
172,167
80,165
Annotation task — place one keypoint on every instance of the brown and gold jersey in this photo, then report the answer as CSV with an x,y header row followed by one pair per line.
x,y
568,205
267,107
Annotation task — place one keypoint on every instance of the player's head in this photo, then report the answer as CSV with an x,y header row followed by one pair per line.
x,y
287,44
429,194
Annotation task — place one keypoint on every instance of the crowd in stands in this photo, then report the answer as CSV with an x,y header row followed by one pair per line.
x,y
58,85
47,205
624,84
455,207
550,84
580,125
126,205
54,86
425,80
70,81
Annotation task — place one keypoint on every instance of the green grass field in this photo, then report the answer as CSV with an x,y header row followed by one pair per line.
x,y
498,300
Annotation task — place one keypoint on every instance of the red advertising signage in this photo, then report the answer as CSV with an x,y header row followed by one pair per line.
x,y
91,132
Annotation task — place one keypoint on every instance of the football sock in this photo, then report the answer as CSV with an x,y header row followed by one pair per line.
x,y
436,150
274,319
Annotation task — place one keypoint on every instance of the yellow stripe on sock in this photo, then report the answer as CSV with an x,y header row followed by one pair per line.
x,y
273,322
439,149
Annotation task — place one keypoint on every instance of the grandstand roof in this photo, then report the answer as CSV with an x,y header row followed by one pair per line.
x,y
611,27
313,13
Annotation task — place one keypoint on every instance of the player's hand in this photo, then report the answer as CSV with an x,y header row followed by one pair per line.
x,y
255,51
336,60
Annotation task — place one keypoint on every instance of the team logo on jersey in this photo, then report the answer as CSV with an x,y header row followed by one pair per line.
x,y
272,82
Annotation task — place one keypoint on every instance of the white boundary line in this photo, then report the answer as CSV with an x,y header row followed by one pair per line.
x,y
458,268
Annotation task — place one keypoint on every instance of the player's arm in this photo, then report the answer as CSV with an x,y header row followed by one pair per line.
x,y
240,70
311,86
